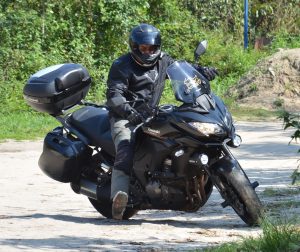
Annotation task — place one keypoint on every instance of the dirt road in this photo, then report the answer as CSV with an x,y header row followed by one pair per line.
x,y
39,214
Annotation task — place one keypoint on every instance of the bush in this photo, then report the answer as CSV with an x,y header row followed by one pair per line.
x,y
293,121
36,34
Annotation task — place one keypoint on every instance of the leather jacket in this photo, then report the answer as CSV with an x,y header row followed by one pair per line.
x,y
127,80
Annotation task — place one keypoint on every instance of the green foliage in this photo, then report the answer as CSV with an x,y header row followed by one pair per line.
x,y
278,103
266,17
269,17
216,14
250,114
277,192
277,235
25,125
293,121
36,34
227,54
283,39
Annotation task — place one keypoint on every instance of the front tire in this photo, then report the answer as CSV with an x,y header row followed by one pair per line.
x,y
240,195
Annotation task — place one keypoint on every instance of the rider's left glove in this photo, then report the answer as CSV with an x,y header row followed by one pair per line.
x,y
209,72
135,118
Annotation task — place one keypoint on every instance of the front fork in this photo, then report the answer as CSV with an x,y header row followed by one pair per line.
x,y
228,152
220,169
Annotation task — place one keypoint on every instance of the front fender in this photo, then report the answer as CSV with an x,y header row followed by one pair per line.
x,y
225,166
224,170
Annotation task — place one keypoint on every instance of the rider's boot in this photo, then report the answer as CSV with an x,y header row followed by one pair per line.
x,y
119,193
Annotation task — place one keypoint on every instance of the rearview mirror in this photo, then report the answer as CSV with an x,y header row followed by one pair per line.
x,y
201,48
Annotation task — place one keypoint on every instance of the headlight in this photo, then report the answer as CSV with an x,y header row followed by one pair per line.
x,y
208,129
235,142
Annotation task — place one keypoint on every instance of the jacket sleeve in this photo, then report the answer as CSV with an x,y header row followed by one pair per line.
x,y
168,60
117,86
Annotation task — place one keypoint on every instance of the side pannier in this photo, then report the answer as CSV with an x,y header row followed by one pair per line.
x,y
63,158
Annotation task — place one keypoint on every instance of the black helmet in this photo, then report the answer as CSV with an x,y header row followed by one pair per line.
x,y
145,34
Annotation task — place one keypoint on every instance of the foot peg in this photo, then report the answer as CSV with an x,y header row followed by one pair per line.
x,y
254,184
225,204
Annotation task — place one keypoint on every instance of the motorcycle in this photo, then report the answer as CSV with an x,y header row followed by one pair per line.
x,y
181,151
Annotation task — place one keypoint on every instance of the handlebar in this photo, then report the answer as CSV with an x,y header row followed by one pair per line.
x,y
147,120
164,109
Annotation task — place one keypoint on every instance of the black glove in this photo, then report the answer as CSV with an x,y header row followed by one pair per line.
x,y
135,118
209,72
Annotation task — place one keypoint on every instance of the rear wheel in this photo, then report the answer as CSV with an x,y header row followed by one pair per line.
x,y
240,195
103,178
104,208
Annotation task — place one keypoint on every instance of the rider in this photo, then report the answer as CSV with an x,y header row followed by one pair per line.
x,y
139,74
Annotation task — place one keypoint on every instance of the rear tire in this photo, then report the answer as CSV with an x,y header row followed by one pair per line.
x,y
104,208
104,205
240,195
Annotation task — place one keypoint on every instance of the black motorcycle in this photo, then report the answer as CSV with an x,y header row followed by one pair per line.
x,y
181,151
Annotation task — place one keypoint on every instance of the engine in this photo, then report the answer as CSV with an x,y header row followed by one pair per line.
x,y
167,190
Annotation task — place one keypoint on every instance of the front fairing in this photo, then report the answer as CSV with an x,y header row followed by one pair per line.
x,y
218,115
199,103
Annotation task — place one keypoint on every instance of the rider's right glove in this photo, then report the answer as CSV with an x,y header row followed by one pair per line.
x,y
135,118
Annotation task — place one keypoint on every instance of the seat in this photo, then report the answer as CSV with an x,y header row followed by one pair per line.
x,y
93,122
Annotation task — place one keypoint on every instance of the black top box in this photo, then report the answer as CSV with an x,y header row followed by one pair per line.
x,y
57,88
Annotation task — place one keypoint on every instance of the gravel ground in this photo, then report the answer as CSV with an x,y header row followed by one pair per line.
x,y
40,214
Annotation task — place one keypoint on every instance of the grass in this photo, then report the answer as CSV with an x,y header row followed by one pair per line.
x,y
277,204
275,192
253,114
283,204
277,236
25,125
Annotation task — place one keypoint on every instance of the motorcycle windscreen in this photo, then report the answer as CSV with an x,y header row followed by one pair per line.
x,y
187,82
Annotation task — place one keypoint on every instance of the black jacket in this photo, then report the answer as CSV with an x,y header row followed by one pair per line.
x,y
127,80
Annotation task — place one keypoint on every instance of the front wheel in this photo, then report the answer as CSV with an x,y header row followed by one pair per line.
x,y
238,192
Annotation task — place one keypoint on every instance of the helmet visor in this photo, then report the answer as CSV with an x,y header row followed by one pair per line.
x,y
149,49
147,38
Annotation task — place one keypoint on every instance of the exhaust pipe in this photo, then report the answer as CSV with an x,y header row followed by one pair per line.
x,y
92,190
88,188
